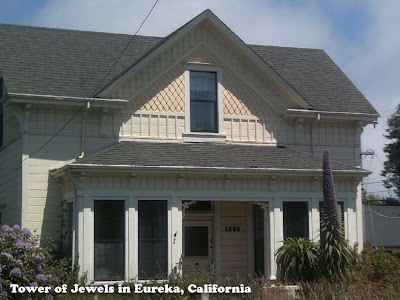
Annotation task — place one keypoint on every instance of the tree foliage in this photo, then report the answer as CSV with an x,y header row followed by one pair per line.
x,y
391,168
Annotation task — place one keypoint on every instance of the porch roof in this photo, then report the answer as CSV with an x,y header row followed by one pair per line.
x,y
255,159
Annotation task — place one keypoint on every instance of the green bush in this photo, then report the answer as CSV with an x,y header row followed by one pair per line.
x,y
378,268
334,254
297,260
24,263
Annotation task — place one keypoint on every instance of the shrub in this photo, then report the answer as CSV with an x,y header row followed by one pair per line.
x,y
297,260
24,263
378,268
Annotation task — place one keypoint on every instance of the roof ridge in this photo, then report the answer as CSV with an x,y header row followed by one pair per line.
x,y
287,47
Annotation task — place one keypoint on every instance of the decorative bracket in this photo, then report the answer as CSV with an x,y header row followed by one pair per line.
x,y
228,182
181,181
314,183
132,184
82,179
272,182
103,121
185,205
264,207
25,127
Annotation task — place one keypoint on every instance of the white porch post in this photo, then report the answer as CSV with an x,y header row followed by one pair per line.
x,y
176,236
276,233
79,248
359,212
85,238
315,219
132,233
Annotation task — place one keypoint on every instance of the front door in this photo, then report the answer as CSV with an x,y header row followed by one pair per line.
x,y
198,246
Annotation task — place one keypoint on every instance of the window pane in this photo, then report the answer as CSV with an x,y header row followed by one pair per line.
x,y
203,117
153,238
258,213
295,220
340,212
196,241
203,86
200,206
109,232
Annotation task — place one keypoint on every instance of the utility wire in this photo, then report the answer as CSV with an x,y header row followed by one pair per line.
x,y
374,212
95,90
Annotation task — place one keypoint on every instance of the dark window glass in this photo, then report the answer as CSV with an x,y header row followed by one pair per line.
x,y
203,102
196,241
200,206
153,238
109,233
258,240
340,212
295,220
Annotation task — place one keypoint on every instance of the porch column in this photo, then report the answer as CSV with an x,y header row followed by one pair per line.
x,y
176,236
276,233
314,219
359,212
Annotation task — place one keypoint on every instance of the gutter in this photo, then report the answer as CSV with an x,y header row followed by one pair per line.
x,y
56,173
312,114
64,100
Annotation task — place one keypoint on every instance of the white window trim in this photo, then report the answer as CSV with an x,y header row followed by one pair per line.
x,y
204,136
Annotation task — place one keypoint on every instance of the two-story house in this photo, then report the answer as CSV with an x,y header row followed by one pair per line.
x,y
197,151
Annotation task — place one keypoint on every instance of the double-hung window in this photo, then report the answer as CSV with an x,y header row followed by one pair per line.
x,y
203,102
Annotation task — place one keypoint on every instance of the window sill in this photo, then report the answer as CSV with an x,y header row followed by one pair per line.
x,y
204,137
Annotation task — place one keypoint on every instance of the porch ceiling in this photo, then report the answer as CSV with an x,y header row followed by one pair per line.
x,y
207,156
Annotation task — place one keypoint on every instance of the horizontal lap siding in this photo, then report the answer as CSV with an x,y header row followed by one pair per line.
x,y
234,245
45,194
10,182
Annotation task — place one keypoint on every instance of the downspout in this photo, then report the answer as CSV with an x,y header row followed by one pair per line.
x,y
313,125
84,114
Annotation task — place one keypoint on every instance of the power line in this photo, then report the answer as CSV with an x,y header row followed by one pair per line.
x,y
374,212
94,92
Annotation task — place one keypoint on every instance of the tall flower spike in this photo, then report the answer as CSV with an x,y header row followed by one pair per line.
x,y
329,192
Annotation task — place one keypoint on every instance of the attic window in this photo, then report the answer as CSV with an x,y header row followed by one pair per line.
x,y
203,101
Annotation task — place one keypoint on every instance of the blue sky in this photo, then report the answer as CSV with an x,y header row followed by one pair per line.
x,y
361,36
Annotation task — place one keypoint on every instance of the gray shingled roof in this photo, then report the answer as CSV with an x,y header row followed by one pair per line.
x,y
206,155
313,74
47,61
62,62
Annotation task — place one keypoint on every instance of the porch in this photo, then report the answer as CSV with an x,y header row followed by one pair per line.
x,y
136,202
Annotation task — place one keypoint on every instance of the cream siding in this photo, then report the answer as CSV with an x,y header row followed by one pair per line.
x,y
234,245
11,182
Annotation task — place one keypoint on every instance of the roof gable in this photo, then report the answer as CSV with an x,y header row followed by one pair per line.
x,y
213,21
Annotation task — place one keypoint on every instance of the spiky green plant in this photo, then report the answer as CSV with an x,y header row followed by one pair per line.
x,y
335,255
297,260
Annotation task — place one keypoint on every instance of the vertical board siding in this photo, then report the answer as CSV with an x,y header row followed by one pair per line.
x,y
10,182
234,251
